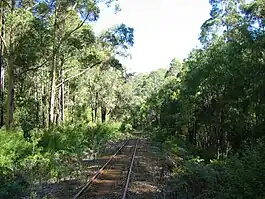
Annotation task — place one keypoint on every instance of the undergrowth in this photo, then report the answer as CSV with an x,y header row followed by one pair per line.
x,y
238,176
48,154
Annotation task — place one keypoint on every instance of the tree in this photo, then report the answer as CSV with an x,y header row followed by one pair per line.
x,y
174,69
2,72
51,44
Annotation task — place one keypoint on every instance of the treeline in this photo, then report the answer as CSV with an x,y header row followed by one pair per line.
x,y
215,100
54,68
60,91
216,96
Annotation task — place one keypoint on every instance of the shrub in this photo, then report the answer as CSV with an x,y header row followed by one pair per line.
x,y
246,174
69,138
237,177
45,154
13,149
126,127
12,183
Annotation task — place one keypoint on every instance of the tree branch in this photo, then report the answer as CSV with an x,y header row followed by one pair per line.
x,y
4,42
82,72
72,31
30,69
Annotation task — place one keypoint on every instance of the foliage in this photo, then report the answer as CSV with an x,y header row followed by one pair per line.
x,y
50,53
207,111
125,127
238,177
63,81
214,101
46,155
14,148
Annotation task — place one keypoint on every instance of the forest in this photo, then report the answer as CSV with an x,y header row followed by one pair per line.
x,y
64,92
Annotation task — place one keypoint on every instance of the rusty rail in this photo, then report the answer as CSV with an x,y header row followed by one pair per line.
x,y
129,172
99,172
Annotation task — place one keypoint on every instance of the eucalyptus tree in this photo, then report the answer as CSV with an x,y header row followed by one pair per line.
x,y
215,98
3,4
61,11
175,68
220,91
105,77
52,45
90,12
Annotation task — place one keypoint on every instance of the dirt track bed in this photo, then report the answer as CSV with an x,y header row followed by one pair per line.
x,y
111,182
85,168
147,178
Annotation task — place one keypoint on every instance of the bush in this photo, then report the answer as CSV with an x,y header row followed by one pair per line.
x,y
14,148
158,135
196,179
69,138
246,174
45,154
12,183
237,177
126,127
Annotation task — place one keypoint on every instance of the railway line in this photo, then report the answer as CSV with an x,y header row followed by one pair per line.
x,y
112,180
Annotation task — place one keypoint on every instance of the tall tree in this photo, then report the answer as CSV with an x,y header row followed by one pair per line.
x,y
10,72
2,70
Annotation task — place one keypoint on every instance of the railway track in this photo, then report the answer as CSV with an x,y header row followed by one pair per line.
x,y
113,178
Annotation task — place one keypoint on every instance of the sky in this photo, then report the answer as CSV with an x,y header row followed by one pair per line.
x,y
164,29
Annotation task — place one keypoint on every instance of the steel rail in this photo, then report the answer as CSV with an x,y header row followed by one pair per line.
x,y
129,173
99,172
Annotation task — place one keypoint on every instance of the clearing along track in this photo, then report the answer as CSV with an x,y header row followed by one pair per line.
x,y
112,180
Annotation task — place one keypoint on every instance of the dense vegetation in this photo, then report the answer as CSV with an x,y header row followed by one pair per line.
x,y
215,102
59,81
66,91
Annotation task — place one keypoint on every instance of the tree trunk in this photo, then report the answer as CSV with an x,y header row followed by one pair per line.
x,y
72,108
44,108
57,115
2,72
92,114
67,102
43,102
61,72
103,113
11,92
62,91
10,95
52,95
36,96
96,108
53,71
95,114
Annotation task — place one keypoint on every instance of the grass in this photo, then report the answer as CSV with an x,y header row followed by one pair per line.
x,y
48,154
